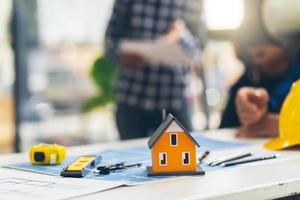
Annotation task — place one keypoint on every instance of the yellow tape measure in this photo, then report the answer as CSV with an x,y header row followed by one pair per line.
x,y
81,166
47,154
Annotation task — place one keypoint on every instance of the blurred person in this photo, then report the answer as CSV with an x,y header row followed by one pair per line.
x,y
255,100
145,89
271,67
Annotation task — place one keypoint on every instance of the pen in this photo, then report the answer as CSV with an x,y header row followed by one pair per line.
x,y
205,154
228,164
229,158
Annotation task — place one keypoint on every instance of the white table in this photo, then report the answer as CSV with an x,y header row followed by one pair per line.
x,y
270,179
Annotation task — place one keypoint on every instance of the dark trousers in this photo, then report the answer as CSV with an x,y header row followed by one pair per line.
x,y
136,122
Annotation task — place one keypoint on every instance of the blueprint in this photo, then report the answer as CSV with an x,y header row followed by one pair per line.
x,y
141,154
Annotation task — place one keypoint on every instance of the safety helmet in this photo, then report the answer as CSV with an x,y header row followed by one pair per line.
x,y
289,121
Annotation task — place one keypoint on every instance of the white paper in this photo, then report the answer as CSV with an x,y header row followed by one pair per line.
x,y
157,52
17,185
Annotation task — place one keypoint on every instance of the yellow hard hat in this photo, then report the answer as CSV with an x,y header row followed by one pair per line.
x,y
289,121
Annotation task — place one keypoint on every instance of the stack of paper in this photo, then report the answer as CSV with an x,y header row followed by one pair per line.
x,y
157,52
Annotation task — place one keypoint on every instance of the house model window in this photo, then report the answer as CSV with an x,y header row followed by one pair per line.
x,y
173,139
162,159
185,158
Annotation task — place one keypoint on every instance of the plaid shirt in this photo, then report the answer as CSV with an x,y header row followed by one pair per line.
x,y
151,86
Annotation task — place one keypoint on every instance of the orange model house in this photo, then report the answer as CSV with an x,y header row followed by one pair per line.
x,y
173,150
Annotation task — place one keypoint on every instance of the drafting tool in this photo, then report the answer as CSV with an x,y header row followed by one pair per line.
x,y
229,158
115,167
111,166
228,164
81,167
205,154
47,154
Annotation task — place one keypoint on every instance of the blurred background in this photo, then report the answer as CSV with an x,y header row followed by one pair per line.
x,y
49,50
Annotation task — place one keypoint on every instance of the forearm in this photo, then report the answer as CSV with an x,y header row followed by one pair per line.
x,y
271,123
268,126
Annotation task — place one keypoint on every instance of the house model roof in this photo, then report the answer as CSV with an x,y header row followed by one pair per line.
x,y
163,126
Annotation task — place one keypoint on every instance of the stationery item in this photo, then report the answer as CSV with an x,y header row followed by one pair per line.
x,y
106,169
229,158
81,167
205,154
47,154
115,167
228,164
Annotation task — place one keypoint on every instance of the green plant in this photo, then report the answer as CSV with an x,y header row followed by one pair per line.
x,y
104,75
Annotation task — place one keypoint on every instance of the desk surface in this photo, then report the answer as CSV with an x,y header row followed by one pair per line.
x,y
269,180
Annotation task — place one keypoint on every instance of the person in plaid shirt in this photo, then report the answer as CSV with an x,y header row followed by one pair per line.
x,y
145,89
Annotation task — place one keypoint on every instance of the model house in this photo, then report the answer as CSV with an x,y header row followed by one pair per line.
x,y
173,150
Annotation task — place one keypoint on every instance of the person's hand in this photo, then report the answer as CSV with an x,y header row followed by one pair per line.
x,y
175,33
251,105
268,126
131,60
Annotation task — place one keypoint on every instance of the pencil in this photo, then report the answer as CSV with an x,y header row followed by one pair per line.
x,y
228,164
205,154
